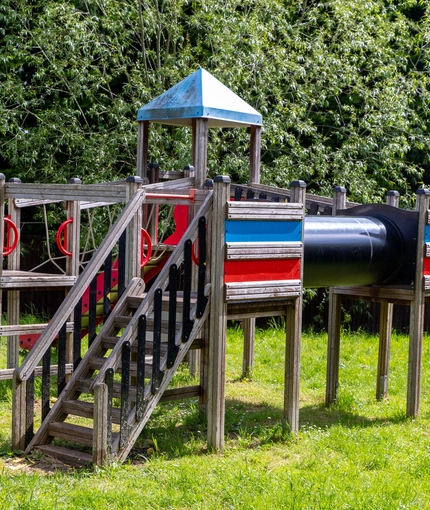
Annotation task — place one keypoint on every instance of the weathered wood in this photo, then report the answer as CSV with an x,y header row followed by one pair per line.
x,y
240,251
333,348
248,346
246,291
133,249
13,298
26,329
200,151
339,199
142,148
416,324
184,184
2,214
388,294
264,211
292,365
69,457
255,154
100,446
18,413
71,432
25,279
7,373
77,291
24,192
385,326
218,320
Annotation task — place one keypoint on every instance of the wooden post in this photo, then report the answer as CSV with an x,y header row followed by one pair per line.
x,y
142,148
417,311
385,327
249,324
334,315
200,150
13,299
100,427
218,319
73,208
293,337
132,266
255,151
18,414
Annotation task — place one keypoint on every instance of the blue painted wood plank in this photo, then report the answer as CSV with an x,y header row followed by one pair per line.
x,y
427,234
243,231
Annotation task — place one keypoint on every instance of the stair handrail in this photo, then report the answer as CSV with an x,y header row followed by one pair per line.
x,y
160,282
36,354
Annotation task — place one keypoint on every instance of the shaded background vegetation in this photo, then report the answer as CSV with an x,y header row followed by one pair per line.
x,y
343,87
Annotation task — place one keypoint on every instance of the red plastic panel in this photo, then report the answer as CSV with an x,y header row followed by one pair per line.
x,y
260,270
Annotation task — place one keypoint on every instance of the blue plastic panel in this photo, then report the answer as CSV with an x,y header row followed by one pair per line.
x,y
243,231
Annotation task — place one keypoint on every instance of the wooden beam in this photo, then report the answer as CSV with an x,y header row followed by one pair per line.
x,y
217,320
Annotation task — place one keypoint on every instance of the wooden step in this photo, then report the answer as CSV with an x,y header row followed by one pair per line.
x,y
85,410
96,363
71,432
135,301
69,457
84,386
109,342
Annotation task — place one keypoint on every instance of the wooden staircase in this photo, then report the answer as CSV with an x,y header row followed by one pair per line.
x,y
130,372
102,409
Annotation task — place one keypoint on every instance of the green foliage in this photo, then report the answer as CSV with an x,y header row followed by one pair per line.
x,y
343,87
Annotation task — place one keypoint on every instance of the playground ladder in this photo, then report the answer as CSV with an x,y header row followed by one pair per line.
x,y
109,359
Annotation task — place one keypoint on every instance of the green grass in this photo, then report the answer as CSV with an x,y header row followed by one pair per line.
x,y
358,454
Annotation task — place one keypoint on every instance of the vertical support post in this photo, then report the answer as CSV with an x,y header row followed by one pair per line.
x,y
293,336
72,264
100,437
142,149
334,314
249,324
200,150
18,414
2,205
13,304
132,265
416,323
385,327
199,162
254,160
217,319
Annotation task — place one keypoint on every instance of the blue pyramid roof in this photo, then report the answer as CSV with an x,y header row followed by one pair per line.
x,y
199,96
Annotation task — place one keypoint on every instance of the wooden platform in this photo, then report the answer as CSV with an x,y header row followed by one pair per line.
x,y
30,280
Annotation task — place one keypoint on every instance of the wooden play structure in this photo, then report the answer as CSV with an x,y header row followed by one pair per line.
x,y
243,255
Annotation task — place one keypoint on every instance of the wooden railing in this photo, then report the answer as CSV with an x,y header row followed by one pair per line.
x,y
23,393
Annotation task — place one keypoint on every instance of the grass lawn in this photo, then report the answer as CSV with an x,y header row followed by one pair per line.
x,y
358,454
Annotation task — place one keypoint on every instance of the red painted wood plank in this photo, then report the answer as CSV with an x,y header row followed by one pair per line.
x,y
260,270
426,267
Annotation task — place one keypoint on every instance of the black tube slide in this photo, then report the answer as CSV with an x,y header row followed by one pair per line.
x,y
366,245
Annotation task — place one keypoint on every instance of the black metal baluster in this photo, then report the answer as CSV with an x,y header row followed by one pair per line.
x,y
125,390
172,348
29,409
107,287
77,334
201,298
237,194
109,383
157,373
62,358
46,383
121,263
187,323
141,347
92,312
